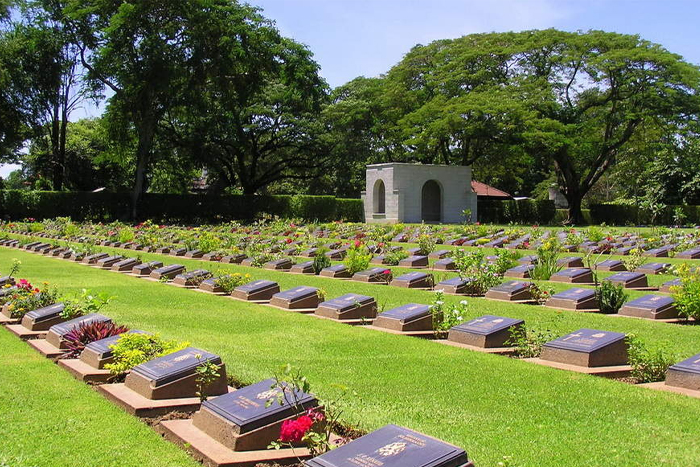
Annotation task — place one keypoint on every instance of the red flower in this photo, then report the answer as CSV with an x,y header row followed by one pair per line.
x,y
387,271
358,243
293,431
288,240
478,223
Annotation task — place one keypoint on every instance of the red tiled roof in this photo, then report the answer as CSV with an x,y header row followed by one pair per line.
x,y
482,189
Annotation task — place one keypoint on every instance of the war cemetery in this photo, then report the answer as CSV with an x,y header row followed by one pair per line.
x,y
486,256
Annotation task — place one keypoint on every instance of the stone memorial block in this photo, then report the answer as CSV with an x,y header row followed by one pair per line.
x,y
310,253
234,259
524,271
291,251
528,259
486,331
296,298
653,268
629,280
260,290
651,307
248,262
337,255
574,299
413,280
163,250
456,285
243,421
624,251
307,267
407,318
588,348
685,374
99,353
570,262
693,253
146,269
661,252
393,446
31,245
348,307
283,264
338,271
666,287
7,280
169,272
511,291
370,275
379,259
611,265
573,276
174,375
413,251
57,331
178,252
126,265
42,319
94,258
439,254
192,278
194,254
414,262
108,262
212,256
445,264
211,285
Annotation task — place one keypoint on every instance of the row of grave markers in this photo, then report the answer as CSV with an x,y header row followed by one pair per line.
x,y
233,427
485,334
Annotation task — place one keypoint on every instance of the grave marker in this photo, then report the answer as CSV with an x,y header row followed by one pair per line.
x,y
146,269
486,331
348,307
413,280
296,298
260,290
338,271
651,307
588,348
407,318
169,272
574,299
685,374
511,291
629,280
573,276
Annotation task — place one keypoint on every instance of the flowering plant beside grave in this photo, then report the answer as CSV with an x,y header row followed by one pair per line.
x,y
539,293
446,316
28,299
357,258
228,282
134,349
687,295
85,303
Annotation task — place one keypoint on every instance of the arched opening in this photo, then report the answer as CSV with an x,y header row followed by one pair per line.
x,y
431,206
379,197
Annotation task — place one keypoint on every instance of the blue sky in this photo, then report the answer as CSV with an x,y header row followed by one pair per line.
x,y
351,38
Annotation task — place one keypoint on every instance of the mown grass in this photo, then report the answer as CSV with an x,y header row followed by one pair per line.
x,y
490,405
49,419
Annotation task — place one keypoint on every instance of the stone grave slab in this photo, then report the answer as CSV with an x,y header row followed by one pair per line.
x,y
145,269
58,331
570,262
76,257
523,271
126,265
393,446
307,267
693,253
243,421
348,307
666,286
192,278
611,265
414,262
212,256
372,275
173,376
511,291
574,299
260,290
661,252
573,276
653,268
337,271
211,285
588,348
309,253
528,259
94,258
234,259
629,280
624,251
248,262
455,285
108,262
283,264
445,264
439,254
297,298
413,280
650,307
685,374
194,254
178,252
412,317
337,254
379,259
42,319
487,331
7,280
168,272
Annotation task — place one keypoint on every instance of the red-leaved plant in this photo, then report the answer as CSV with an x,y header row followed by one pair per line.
x,y
85,333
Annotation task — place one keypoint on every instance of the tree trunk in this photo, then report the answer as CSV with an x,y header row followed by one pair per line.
x,y
60,156
575,198
143,154
55,143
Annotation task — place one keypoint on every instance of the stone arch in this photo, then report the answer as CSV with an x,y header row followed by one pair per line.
x,y
379,197
431,202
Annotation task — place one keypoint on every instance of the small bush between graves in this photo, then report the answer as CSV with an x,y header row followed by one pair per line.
x,y
687,295
528,342
547,256
446,315
228,282
357,258
83,334
648,364
25,300
134,349
610,297
84,304
207,373
321,261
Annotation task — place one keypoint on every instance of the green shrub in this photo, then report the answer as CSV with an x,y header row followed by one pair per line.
x,y
648,365
610,297
519,212
134,349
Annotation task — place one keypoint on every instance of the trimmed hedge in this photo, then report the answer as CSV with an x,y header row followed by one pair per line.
x,y
165,208
622,214
525,211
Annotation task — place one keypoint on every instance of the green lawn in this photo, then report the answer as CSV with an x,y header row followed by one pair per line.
x,y
490,405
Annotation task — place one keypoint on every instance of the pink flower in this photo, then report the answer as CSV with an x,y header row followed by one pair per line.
x,y
293,431
387,271
358,243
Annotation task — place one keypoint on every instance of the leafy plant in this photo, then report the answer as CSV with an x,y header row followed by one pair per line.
x,y
14,269
24,301
547,256
634,259
446,315
481,274
426,244
687,295
610,297
207,372
648,365
321,261
228,282
528,342
83,334
392,258
540,293
358,258
134,349
84,304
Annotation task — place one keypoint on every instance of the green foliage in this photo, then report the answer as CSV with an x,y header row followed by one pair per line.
x,y
634,259
482,274
357,258
528,342
547,256
648,364
610,297
84,304
134,349
687,295
446,315
228,282
321,261
207,372
519,212
392,258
